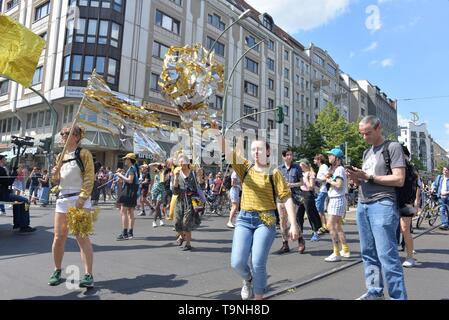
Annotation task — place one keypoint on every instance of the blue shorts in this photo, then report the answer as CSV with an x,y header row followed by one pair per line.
x,y
320,200
235,194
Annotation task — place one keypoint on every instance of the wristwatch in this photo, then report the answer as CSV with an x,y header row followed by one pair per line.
x,y
371,178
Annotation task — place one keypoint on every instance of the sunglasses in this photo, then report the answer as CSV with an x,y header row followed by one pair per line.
x,y
64,133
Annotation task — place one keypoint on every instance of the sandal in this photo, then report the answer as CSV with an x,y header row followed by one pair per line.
x,y
179,241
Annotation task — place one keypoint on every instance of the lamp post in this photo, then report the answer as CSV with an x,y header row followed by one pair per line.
x,y
225,100
242,16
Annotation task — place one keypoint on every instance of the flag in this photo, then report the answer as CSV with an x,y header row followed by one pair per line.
x,y
20,50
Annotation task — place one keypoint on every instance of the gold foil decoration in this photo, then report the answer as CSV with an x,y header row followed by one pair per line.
x,y
80,222
267,219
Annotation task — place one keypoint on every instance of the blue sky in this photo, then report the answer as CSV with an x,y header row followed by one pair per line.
x,y
402,46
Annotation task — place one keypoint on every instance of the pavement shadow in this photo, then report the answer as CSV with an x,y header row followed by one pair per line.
x,y
124,286
204,249
432,265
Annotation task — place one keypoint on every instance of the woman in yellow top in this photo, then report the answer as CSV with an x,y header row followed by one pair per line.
x,y
76,180
255,227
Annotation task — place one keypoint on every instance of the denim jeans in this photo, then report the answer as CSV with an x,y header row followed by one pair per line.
x,y
252,237
377,223
443,213
320,201
43,198
21,212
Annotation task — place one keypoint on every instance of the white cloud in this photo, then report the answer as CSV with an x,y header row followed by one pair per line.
x,y
371,47
383,63
402,121
308,15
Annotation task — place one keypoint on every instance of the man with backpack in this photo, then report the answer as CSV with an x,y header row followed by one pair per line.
x,y
441,187
377,211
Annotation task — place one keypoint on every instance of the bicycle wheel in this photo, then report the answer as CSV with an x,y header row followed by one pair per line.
x,y
436,212
424,212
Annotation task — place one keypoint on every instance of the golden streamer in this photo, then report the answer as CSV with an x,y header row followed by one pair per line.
x,y
267,219
81,221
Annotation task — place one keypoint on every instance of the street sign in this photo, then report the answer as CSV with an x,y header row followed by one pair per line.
x,y
279,114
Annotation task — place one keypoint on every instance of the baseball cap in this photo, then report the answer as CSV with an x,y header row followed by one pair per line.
x,y
131,156
336,152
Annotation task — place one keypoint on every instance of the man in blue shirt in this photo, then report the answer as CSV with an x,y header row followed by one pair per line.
x,y
293,176
441,187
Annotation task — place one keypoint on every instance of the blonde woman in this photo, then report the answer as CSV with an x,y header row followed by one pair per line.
x,y
75,177
308,193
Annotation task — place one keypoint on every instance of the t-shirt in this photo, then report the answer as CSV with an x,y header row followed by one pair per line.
x,y
217,185
257,191
236,177
374,164
35,179
321,176
334,192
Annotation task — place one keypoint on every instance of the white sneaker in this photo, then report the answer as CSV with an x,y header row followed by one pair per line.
x,y
154,224
2,213
409,263
230,225
161,223
368,296
345,254
247,290
333,258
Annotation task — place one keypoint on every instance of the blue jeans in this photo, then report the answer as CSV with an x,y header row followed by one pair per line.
x,y
2,207
251,236
377,223
320,200
444,218
45,192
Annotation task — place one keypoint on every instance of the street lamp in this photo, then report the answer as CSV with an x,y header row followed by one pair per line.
x,y
242,16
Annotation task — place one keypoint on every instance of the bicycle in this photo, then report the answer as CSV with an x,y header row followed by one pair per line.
x,y
217,204
430,211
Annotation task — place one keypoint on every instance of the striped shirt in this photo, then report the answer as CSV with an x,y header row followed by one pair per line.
x,y
257,192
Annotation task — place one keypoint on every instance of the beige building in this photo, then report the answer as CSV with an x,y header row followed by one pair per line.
x,y
126,41
439,155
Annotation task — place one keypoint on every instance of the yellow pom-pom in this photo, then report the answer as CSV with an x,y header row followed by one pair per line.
x,y
81,221
267,219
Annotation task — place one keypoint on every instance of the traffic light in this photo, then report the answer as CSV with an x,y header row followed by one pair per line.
x,y
45,144
279,114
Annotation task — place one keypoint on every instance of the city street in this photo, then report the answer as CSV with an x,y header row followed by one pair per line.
x,y
152,267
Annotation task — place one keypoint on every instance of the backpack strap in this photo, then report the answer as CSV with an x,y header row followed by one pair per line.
x,y
387,158
271,181
79,162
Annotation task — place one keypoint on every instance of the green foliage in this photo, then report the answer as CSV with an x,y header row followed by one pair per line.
x,y
441,165
331,130
392,137
418,163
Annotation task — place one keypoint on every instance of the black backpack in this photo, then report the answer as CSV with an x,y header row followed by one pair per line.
x,y
227,182
77,158
407,193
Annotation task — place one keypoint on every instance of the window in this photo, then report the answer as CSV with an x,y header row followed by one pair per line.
x,y
318,60
103,32
69,34
267,22
81,31
167,22
270,124
11,4
219,47
105,4
34,120
270,64
286,55
40,120
297,114
159,50
4,87
92,31
66,68
47,118
270,103
307,85
112,71
331,70
118,5
251,65
44,36
270,84
68,113
154,79
302,101
286,130
115,34
250,110
37,78
286,92
271,44
251,89
76,67
251,41
94,3
218,104
99,66
178,2
297,96
297,132
88,67
286,110
286,73
42,11
215,20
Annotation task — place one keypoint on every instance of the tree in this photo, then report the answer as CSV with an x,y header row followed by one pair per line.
x,y
392,137
313,144
441,165
417,163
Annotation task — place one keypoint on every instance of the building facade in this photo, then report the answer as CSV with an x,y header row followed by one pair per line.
x,y
419,142
440,155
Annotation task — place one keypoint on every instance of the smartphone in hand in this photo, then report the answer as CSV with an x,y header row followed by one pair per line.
x,y
348,167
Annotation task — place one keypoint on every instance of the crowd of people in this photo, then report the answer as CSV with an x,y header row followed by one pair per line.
x,y
264,197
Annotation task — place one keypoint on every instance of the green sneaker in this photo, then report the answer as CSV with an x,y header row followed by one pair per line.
x,y
55,278
87,281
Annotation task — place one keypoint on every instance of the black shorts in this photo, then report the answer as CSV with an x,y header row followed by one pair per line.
x,y
127,201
